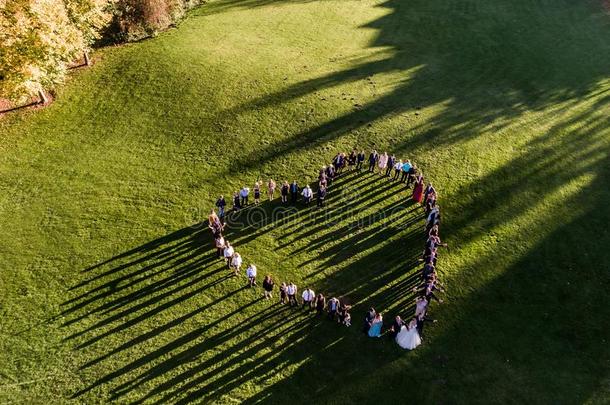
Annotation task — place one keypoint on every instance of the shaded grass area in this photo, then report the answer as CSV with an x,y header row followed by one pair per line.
x,y
110,292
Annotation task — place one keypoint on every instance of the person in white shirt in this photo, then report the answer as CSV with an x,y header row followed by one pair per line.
x,y
251,274
236,263
244,193
291,291
308,298
397,169
307,194
228,253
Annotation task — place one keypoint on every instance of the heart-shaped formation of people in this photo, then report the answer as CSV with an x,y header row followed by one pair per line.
x,y
406,333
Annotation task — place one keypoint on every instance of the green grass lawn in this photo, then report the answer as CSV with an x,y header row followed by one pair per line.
x,y
110,290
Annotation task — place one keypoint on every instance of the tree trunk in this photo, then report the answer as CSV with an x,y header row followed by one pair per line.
x,y
43,97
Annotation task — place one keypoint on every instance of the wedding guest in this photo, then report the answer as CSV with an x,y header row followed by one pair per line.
x,y
376,324
283,293
308,298
418,190
321,194
221,204
406,166
395,327
284,191
351,159
268,286
390,166
360,160
220,245
291,290
257,193
294,191
343,312
332,307
307,194
347,318
429,191
320,304
236,262
244,193
412,175
228,254
271,189
373,158
368,319
236,203
420,306
251,274
330,174
382,162
397,169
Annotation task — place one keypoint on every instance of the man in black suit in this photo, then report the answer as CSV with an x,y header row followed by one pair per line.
x,y
321,196
373,158
396,326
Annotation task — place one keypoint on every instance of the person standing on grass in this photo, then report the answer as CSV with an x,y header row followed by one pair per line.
x,y
376,325
214,224
330,174
221,204
368,319
292,290
294,191
321,196
428,192
397,169
332,307
257,193
396,327
360,160
251,274
283,293
406,166
244,193
284,192
271,189
219,242
373,158
382,162
236,262
307,194
320,304
236,203
412,175
390,166
228,254
308,298
420,306
351,159
418,190
268,286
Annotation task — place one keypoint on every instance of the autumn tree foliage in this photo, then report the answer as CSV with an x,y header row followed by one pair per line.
x,y
39,39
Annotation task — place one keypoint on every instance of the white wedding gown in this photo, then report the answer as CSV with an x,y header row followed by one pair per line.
x,y
408,338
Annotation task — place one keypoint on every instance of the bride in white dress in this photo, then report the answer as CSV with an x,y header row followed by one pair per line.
x,y
408,337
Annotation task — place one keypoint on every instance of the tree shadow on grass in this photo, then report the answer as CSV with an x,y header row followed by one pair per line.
x,y
158,278
486,63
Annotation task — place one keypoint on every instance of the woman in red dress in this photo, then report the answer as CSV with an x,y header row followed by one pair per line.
x,y
418,190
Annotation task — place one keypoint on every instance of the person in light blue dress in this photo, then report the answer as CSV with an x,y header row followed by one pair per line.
x,y
375,330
